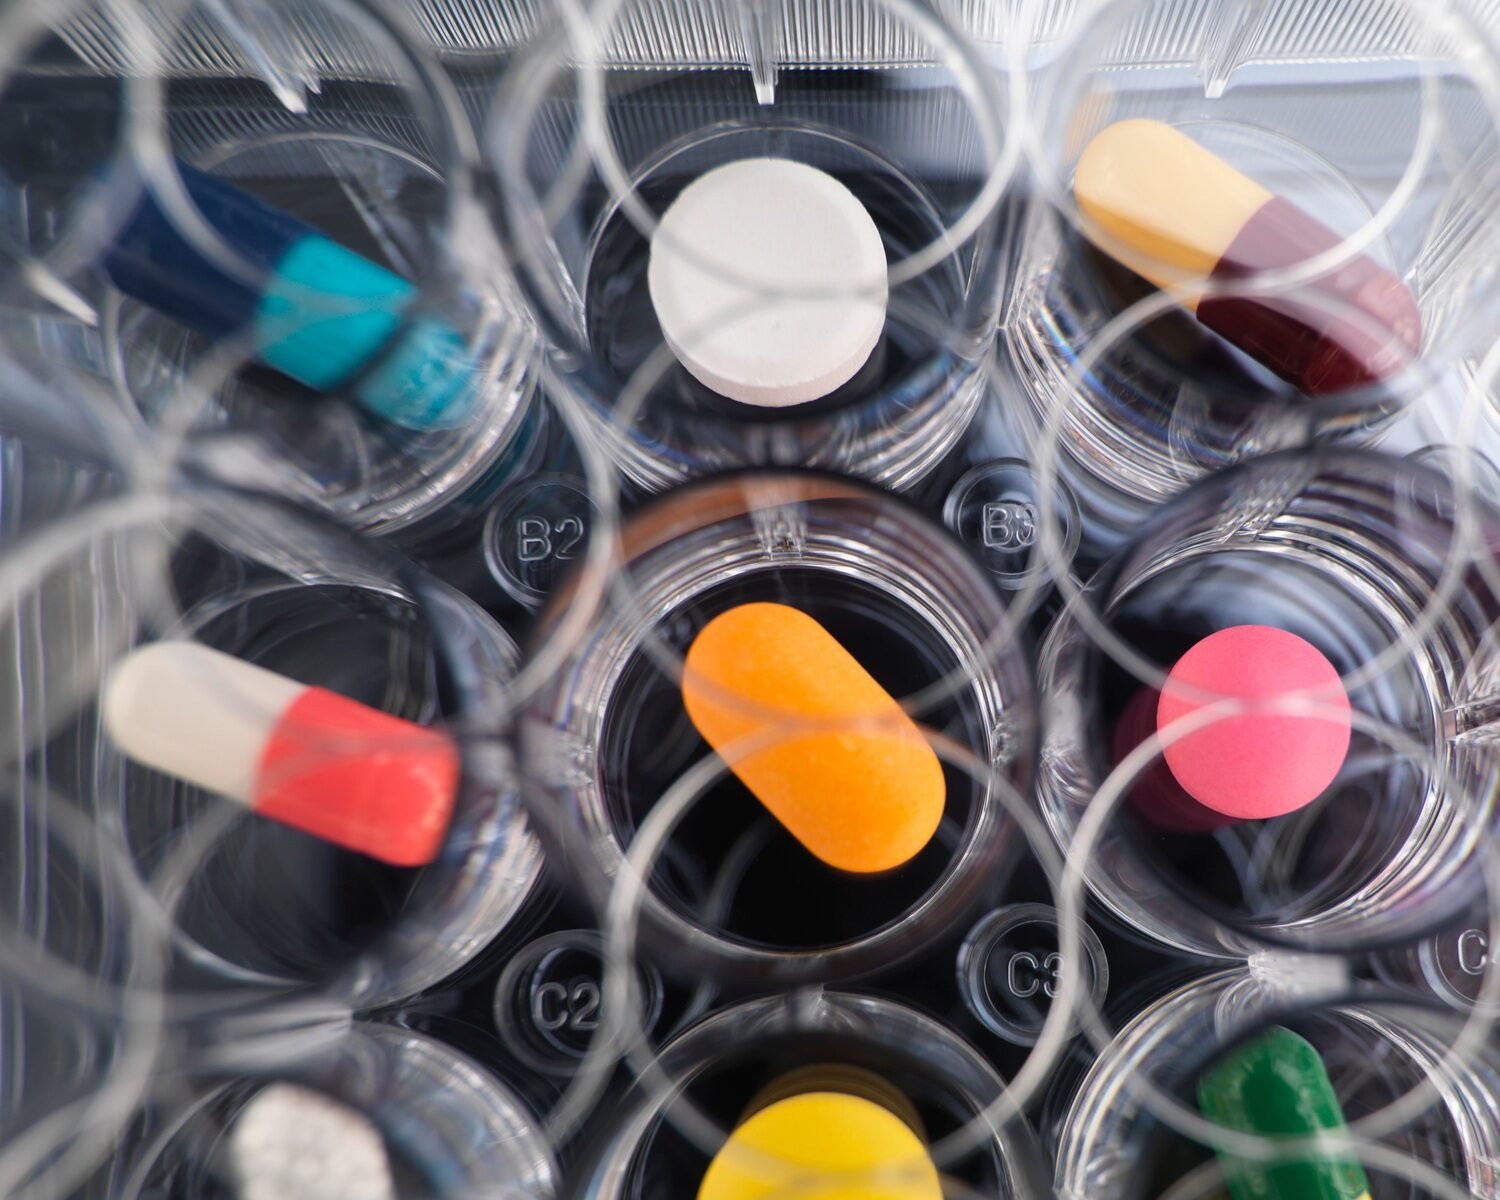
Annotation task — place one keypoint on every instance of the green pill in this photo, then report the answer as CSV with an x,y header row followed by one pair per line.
x,y
1274,1085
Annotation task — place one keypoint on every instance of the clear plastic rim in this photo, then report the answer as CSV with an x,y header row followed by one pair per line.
x,y
1449,851
1472,1037
999,693
433,95
1150,468
974,1081
508,388
1440,24
459,1125
1443,1071
773,488
1055,453
438,107
581,21
525,239
1052,449
1470,44
623,1033
932,404
24,27
59,1149
475,654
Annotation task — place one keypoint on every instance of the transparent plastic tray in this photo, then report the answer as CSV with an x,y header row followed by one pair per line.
x,y
1047,483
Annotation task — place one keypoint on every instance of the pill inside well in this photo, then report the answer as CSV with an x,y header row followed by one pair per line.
x,y
768,278
864,798
824,1146
292,1143
1249,870
305,756
1177,214
873,1074
1277,1085
774,891
1256,764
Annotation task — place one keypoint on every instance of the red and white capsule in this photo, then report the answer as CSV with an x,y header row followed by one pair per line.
x,y
301,755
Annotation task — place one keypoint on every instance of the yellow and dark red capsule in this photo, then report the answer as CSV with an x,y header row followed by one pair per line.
x,y
1174,212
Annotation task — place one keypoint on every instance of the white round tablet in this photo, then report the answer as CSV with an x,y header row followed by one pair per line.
x,y
769,281
292,1143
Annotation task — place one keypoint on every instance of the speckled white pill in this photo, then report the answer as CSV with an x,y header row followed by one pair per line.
x,y
291,1143
769,281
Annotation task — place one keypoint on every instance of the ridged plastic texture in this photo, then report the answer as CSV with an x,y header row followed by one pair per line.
x,y
233,112
240,37
866,33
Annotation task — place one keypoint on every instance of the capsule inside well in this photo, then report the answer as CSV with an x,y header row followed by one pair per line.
x,y
1277,1085
269,897
774,891
1180,216
865,795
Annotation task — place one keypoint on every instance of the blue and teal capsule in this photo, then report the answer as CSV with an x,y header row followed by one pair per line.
x,y
311,309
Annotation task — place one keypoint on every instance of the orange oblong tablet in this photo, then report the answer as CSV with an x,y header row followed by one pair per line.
x,y
864,798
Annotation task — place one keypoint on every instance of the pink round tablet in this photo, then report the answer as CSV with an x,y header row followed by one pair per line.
x,y
1258,764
